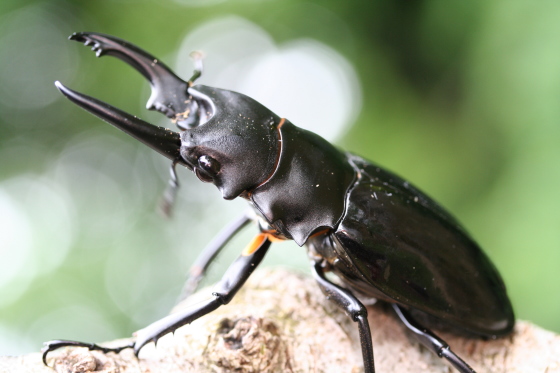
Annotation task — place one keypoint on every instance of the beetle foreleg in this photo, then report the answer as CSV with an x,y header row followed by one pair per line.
x,y
234,278
353,307
207,256
58,343
432,341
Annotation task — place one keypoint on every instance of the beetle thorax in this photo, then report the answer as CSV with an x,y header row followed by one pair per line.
x,y
307,191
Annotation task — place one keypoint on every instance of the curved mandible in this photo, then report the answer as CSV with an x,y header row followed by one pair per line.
x,y
162,140
169,92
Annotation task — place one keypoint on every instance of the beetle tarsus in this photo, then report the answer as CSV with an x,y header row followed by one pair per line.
x,y
55,344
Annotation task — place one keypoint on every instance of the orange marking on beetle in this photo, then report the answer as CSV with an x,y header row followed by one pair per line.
x,y
322,231
272,238
255,244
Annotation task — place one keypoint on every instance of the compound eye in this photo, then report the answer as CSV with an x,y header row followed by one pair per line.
x,y
209,165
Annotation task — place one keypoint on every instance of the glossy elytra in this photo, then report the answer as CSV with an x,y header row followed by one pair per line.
x,y
380,235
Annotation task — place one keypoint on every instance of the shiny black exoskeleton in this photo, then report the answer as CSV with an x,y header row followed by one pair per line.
x,y
380,235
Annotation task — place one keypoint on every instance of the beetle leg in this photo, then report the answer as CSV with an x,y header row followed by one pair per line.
x,y
207,256
224,291
353,307
170,195
234,278
432,341
58,343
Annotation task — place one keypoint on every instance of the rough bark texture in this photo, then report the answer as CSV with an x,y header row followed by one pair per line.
x,y
281,322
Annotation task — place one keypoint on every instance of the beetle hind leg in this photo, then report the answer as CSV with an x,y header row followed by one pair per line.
x,y
353,307
432,341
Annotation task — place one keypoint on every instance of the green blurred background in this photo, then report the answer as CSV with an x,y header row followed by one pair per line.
x,y
462,99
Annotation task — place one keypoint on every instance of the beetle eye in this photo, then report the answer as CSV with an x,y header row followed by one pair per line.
x,y
209,165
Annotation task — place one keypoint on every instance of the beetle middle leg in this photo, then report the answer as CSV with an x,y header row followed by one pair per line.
x,y
432,341
224,291
207,256
353,307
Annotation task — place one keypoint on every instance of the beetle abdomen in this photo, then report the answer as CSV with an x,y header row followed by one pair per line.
x,y
415,253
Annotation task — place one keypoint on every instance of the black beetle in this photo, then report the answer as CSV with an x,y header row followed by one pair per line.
x,y
380,235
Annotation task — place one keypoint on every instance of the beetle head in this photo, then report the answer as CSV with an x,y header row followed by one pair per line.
x,y
235,144
226,137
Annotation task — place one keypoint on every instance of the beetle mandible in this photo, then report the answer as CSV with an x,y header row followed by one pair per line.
x,y
380,235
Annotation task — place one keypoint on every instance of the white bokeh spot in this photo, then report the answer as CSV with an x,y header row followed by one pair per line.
x,y
303,80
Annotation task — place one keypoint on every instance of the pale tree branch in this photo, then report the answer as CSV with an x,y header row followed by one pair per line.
x,y
281,322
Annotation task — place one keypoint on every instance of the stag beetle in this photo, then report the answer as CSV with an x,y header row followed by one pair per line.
x,y
380,235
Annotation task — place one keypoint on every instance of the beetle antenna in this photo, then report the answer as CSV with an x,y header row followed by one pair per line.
x,y
170,194
197,57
